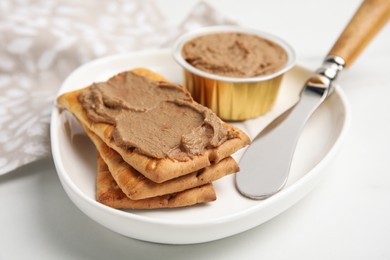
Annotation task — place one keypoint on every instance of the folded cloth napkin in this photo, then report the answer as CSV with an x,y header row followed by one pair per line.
x,y
43,41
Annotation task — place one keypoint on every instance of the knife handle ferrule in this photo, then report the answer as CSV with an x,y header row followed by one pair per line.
x,y
331,67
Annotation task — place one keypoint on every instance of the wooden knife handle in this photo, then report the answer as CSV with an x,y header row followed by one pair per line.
x,y
371,16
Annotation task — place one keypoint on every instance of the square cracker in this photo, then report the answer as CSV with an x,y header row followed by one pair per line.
x,y
136,186
109,194
157,170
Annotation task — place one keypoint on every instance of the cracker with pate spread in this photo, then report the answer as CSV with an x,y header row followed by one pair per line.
x,y
153,124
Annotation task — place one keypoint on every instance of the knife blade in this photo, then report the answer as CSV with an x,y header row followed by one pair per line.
x,y
276,147
265,165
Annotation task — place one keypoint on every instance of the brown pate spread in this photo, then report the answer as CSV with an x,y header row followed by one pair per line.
x,y
157,119
234,55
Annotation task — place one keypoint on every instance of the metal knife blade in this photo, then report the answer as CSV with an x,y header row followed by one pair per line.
x,y
275,148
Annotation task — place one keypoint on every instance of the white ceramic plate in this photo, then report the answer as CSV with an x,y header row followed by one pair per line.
x,y
74,157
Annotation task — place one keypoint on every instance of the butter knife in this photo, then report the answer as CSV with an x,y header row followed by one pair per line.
x,y
265,165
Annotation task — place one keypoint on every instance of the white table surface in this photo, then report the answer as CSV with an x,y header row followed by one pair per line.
x,y
346,216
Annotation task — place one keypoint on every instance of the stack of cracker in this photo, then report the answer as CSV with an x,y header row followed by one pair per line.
x,y
128,178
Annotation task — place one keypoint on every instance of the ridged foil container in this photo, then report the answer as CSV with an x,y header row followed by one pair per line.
x,y
233,99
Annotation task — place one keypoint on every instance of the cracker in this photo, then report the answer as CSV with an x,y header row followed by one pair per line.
x,y
136,186
157,170
109,194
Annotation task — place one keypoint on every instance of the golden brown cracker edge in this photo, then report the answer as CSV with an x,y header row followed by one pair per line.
x,y
109,194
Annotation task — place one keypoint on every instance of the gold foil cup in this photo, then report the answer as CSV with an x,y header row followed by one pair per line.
x,y
233,99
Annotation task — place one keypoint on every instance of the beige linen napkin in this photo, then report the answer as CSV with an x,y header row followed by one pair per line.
x,y
43,41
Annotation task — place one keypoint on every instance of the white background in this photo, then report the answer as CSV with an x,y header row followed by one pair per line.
x,y
347,216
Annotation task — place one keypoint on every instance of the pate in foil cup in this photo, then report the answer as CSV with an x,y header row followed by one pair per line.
x,y
234,71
